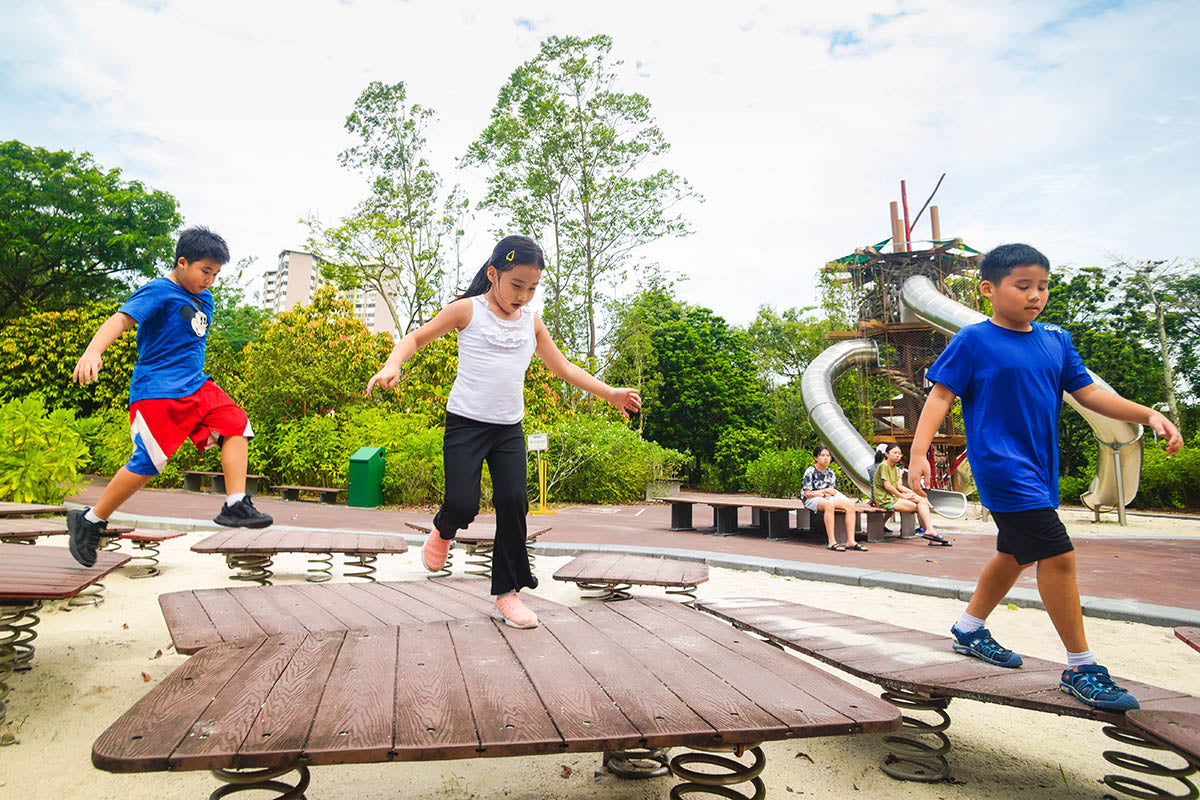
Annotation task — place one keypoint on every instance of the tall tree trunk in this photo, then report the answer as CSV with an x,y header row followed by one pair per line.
x,y
1168,373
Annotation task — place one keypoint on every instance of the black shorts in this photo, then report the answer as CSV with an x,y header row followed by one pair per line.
x,y
1031,535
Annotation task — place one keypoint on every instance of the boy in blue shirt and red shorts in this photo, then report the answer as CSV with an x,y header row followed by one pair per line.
x,y
1010,373
170,397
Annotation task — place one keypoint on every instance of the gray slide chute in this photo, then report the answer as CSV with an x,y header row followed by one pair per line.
x,y
1120,464
843,440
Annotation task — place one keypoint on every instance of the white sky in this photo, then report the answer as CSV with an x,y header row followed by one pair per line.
x,y
1072,126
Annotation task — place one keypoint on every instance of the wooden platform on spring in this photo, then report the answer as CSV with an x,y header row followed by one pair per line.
x,y
1189,636
29,509
147,535
644,673
902,658
29,573
271,540
634,570
202,617
481,532
54,526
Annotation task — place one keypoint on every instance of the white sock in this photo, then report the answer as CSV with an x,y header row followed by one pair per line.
x,y
233,498
1080,659
968,624
91,517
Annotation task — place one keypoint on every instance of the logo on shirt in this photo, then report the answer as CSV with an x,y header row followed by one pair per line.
x,y
1051,327
195,315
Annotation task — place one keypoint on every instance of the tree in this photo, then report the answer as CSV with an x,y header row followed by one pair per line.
x,y
571,159
392,242
71,232
783,344
702,378
235,321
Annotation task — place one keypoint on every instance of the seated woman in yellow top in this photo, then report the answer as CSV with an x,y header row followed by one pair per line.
x,y
889,492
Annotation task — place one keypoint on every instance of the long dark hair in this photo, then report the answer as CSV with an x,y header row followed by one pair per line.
x,y
881,452
509,252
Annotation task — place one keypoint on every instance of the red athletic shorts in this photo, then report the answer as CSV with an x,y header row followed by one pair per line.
x,y
158,426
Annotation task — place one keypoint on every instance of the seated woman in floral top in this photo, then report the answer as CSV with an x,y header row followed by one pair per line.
x,y
822,497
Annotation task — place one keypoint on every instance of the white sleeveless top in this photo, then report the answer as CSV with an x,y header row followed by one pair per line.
x,y
493,356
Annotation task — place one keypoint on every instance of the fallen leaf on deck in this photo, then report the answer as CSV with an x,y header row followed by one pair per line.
x,y
145,677
804,755
125,626
157,654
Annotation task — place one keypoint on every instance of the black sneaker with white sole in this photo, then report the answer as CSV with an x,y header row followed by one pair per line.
x,y
85,536
243,514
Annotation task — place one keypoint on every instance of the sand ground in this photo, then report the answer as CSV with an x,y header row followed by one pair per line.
x,y
90,664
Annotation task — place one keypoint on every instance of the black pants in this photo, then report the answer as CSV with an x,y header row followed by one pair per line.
x,y
466,446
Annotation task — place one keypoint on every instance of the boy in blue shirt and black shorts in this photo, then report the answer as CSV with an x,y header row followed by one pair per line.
x,y
1010,373
170,397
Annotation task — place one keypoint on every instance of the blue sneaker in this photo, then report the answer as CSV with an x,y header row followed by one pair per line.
x,y
1091,684
981,645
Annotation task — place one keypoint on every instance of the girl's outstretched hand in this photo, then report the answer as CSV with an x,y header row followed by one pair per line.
x,y
1164,428
626,400
387,377
87,370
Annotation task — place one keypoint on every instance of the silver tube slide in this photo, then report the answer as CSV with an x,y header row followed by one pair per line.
x,y
1120,442
843,440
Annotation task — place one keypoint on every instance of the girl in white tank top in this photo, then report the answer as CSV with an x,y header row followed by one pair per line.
x,y
497,336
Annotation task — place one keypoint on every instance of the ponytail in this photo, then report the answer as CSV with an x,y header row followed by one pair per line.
x,y
509,252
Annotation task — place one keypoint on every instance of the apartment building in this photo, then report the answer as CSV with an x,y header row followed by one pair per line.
x,y
297,277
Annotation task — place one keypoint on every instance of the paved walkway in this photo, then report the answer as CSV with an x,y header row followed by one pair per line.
x,y
1143,579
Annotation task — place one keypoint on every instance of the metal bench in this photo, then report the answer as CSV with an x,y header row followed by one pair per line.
x,y
325,494
594,678
479,541
28,577
193,481
609,576
250,551
920,672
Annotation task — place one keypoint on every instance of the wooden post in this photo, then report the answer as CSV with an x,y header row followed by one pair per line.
x,y
935,223
897,236
907,227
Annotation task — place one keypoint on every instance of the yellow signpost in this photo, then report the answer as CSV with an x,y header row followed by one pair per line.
x,y
540,442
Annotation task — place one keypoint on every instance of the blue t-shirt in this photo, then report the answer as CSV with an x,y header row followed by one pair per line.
x,y
171,337
1011,385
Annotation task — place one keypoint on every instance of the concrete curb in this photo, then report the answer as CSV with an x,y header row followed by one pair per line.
x,y
1098,607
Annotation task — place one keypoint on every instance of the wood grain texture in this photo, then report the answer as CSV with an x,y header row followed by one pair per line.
x,y
49,573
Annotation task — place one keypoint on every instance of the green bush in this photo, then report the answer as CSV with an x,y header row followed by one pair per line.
x,y
1169,481
1070,487
591,460
40,452
736,447
779,473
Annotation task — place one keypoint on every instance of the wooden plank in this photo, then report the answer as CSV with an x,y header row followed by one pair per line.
x,y
219,733
478,592
144,737
580,565
280,732
338,604
433,710
353,723
187,622
228,616
145,535
581,710
774,694
212,544
1179,730
646,701
320,542
1189,636
303,607
831,700
48,573
29,509
13,527
404,602
385,612
730,712
509,716
456,603
274,618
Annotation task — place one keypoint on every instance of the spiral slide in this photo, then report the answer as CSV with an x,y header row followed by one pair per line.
x,y
1119,466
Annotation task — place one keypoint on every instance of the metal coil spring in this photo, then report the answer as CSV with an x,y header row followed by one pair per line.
x,y
321,569
925,762
684,591
21,619
110,543
638,763
479,560
605,592
364,562
1129,786
146,553
254,567
447,568
239,780
717,784
90,596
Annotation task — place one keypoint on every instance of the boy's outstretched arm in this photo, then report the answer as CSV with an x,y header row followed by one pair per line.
x,y
88,367
1110,404
937,406
625,400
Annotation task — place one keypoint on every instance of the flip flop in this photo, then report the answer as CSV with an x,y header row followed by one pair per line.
x,y
841,548
936,541
858,546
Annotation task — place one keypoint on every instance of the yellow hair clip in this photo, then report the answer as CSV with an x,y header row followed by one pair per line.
x,y
511,255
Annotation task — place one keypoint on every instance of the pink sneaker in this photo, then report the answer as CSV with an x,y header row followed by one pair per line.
x,y
433,554
512,612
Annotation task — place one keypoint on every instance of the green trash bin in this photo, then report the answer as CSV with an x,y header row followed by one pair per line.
x,y
366,477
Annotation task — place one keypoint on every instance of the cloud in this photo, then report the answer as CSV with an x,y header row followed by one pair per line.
x,y
1072,126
